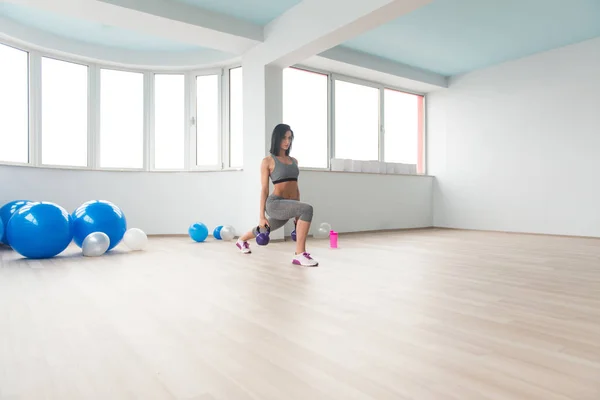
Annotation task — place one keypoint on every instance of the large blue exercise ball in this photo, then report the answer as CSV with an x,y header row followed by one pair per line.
x,y
7,211
198,232
40,230
99,216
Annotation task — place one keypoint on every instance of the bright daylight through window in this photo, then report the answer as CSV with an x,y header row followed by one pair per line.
x,y
64,113
356,121
121,119
14,96
236,117
305,109
207,120
403,127
169,121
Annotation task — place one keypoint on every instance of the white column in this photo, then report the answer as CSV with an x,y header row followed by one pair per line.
x,y
262,91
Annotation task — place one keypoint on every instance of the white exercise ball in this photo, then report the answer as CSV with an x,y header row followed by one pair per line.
x,y
227,232
322,233
326,226
95,244
135,239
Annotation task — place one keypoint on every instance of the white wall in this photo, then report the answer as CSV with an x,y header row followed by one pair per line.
x,y
157,202
354,202
516,147
167,203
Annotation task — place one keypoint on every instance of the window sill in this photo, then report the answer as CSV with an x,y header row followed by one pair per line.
x,y
179,171
73,168
362,173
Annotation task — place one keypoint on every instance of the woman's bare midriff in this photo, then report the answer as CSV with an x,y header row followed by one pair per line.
x,y
287,190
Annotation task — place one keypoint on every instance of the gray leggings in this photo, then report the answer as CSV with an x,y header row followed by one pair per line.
x,y
281,210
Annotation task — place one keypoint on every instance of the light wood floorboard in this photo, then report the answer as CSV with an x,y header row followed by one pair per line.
x,y
423,315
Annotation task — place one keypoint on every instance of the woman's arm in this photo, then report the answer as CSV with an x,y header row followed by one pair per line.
x,y
264,181
297,193
297,186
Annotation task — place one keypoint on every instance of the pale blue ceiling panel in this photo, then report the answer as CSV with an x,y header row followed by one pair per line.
x,y
456,36
90,32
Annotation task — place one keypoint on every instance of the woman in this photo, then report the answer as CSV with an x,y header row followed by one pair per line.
x,y
284,203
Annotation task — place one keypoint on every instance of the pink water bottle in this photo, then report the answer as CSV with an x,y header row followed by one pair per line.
x,y
333,239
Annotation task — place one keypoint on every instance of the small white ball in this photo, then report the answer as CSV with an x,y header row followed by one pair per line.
x,y
135,239
227,232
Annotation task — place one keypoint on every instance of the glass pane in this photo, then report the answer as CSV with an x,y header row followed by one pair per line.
x,y
14,105
356,121
402,127
236,119
169,121
121,119
207,120
64,113
305,110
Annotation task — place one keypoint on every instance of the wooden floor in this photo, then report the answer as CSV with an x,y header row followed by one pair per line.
x,y
424,315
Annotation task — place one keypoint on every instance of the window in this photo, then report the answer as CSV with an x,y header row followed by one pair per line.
x,y
14,105
121,119
403,127
236,118
169,121
64,113
305,109
356,121
207,120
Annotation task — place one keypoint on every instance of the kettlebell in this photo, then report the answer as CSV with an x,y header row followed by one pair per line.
x,y
294,235
262,239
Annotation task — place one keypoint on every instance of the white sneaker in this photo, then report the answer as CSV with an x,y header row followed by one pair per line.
x,y
243,246
305,260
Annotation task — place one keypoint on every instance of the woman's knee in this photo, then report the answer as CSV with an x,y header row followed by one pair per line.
x,y
307,213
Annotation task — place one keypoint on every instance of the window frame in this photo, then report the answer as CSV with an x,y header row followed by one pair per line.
x,y
145,124
356,81
31,120
34,64
34,58
226,115
423,122
191,126
151,115
381,87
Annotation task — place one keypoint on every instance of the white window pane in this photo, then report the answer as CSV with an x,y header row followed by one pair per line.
x,y
169,115
305,110
121,119
207,120
14,107
236,119
64,113
356,121
402,127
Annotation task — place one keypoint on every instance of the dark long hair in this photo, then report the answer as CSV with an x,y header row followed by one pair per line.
x,y
278,133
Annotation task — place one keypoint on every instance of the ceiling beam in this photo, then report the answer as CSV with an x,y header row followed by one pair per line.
x,y
313,26
374,63
174,21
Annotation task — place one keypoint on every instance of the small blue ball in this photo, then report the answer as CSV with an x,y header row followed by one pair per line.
x,y
198,232
217,232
